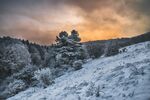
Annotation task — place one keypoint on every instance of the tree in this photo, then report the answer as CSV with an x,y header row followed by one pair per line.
x,y
62,38
69,52
75,36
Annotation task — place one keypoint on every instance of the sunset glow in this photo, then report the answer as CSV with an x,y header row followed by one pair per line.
x,y
41,20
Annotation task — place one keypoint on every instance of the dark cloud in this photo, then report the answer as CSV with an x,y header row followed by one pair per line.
x,y
40,20
140,6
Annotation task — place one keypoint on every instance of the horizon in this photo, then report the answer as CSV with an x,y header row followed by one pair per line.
x,y
40,21
32,42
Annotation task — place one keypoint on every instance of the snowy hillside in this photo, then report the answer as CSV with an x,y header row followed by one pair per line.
x,y
125,76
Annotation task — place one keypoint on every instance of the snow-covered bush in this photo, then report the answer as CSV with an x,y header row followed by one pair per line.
x,y
148,45
44,76
77,64
18,81
93,90
14,87
26,74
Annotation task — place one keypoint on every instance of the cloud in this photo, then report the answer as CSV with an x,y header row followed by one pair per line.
x,y
41,20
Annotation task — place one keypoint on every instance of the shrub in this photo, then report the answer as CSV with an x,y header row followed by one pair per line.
x,y
44,76
26,74
148,45
15,87
77,64
93,90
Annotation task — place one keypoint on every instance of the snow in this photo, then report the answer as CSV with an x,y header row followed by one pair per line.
x,y
125,76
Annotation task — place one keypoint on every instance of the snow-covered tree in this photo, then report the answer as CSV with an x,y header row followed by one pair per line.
x,y
62,38
75,36
68,50
14,57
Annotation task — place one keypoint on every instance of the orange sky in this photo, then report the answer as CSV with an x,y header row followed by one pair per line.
x,y
41,20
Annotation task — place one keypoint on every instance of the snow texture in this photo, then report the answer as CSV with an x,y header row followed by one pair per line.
x,y
125,76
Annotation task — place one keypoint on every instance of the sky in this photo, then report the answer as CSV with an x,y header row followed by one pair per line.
x,y
40,21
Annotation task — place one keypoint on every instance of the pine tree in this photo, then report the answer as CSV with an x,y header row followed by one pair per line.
x,y
69,51
75,36
62,38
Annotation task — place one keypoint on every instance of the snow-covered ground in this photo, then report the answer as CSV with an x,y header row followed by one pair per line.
x,y
125,76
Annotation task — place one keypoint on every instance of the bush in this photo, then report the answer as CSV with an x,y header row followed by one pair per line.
x,y
13,88
93,90
77,64
16,86
44,76
148,45
26,74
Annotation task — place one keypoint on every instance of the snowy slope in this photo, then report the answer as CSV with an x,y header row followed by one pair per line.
x,y
125,76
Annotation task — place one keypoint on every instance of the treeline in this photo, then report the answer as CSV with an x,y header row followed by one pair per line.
x,y
111,47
